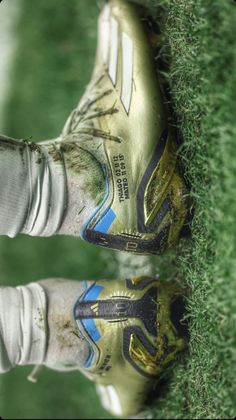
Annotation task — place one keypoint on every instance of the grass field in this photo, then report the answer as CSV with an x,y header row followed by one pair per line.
x,y
52,66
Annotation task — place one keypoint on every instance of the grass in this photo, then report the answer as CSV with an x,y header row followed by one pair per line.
x,y
198,44
50,73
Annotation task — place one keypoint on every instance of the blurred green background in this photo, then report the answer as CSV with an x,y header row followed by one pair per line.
x,y
54,59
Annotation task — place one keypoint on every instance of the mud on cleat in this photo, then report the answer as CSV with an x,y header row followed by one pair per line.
x,y
122,122
133,334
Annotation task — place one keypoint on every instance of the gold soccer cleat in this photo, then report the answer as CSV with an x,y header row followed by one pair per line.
x,y
121,121
133,337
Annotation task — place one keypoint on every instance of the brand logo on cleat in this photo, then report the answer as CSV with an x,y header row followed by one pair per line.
x,y
95,308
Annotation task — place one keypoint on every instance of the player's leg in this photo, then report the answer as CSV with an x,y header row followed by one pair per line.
x,y
36,327
120,334
46,189
113,175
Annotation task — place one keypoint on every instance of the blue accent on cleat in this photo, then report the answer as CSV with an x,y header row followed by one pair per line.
x,y
105,223
90,326
85,225
93,293
89,360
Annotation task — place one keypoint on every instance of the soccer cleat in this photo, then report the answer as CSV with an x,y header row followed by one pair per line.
x,y
133,332
122,122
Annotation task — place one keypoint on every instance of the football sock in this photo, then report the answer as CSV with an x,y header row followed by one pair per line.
x,y
48,188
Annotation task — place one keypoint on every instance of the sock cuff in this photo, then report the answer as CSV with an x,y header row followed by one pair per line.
x,y
34,324
33,188
13,187
23,326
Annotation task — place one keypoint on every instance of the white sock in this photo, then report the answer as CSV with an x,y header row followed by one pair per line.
x,y
37,327
33,190
23,326
47,188
66,349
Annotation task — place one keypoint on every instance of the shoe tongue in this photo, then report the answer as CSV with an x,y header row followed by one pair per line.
x,y
120,309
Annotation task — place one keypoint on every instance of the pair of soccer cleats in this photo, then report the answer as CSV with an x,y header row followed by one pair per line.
x,y
131,325
122,123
